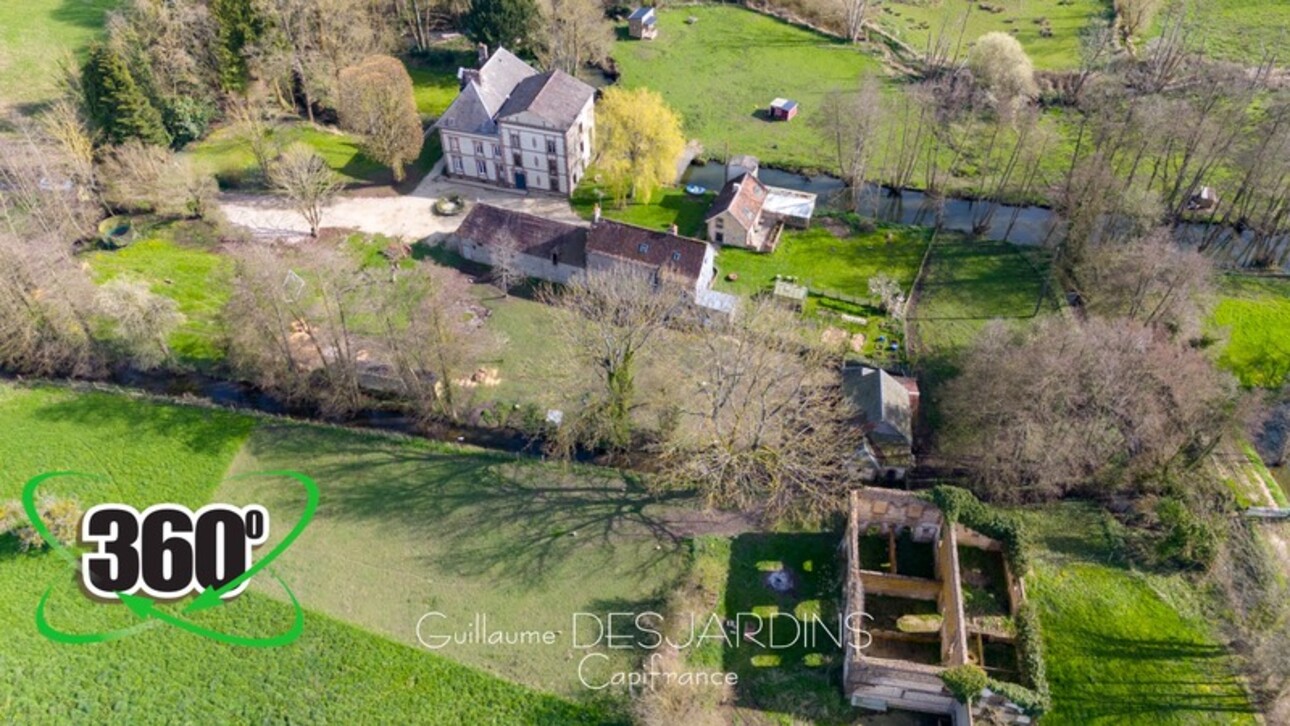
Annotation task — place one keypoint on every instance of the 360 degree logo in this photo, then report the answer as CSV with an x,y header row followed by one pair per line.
x,y
168,551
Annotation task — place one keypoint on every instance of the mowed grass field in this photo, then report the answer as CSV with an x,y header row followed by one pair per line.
x,y
722,72
231,161
150,453
34,37
1244,30
969,283
409,527
197,279
1253,314
918,22
820,259
1124,647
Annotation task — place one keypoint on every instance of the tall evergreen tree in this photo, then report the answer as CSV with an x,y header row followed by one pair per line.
x,y
498,23
117,105
238,24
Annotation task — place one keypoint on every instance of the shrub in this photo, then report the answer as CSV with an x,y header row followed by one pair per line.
x,y
1188,541
61,516
965,681
1030,650
186,118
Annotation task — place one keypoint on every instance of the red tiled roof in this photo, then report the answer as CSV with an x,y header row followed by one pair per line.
x,y
683,256
743,197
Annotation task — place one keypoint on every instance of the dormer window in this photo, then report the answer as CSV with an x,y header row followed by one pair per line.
x,y
676,256
642,248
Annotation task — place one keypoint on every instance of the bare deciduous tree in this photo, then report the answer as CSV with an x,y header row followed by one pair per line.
x,y
1150,280
613,319
851,121
1134,17
141,322
142,177
431,336
768,428
1104,406
304,178
574,33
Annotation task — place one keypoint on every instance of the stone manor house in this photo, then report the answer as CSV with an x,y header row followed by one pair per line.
x,y
511,126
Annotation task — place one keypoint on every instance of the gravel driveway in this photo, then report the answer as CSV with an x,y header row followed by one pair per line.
x,y
408,216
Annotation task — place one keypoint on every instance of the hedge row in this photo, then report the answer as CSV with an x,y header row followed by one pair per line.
x,y
960,505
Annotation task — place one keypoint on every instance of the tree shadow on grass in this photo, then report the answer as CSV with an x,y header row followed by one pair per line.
x,y
498,514
199,429
1155,676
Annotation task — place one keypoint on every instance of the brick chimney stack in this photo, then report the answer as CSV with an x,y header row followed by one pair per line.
x,y
483,53
595,214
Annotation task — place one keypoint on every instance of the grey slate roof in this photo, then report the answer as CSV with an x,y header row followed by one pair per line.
x,y
550,100
640,13
485,92
884,401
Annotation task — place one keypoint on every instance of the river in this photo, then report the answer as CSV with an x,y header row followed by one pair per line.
x,y
1027,225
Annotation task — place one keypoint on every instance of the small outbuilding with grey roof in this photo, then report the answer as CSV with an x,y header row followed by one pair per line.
x,y
642,24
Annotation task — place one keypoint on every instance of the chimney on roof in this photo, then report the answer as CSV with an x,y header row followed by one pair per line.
x,y
595,214
467,75
482,49
673,229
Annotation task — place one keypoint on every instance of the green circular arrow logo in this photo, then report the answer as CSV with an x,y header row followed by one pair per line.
x,y
144,608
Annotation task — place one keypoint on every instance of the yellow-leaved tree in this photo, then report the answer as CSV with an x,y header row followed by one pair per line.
x,y
640,139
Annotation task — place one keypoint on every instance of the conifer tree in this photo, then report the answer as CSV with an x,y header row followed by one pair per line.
x,y
116,103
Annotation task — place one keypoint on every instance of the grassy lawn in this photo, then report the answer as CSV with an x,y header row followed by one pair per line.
x,y
820,259
197,279
232,163
1244,30
34,35
1123,647
667,207
434,79
1255,315
917,21
723,71
423,527
154,453
968,283
792,684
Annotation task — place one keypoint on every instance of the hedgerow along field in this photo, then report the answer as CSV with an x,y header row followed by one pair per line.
x,y
1253,314
34,37
1123,646
152,453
